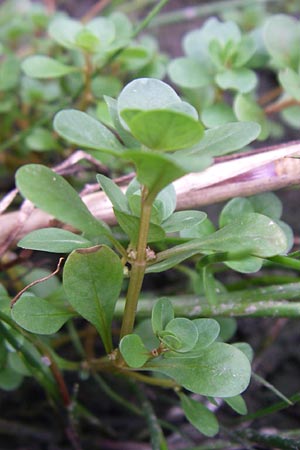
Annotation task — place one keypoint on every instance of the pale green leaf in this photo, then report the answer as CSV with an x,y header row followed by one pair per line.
x,y
39,66
53,240
199,416
133,350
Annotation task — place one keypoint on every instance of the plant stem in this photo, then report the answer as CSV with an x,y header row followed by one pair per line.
x,y
149,17
138,268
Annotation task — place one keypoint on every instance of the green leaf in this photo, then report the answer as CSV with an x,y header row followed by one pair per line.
x,y
85,131
10,380
181,220
39,66
281,37
199,416
226,138
238,404
185,333
250,264
103,29
220,371
9,73
268,204
162,314
253,233
163,130
247,109
290,81
114,193
217,114
242,80
37,315
291,116
157,170
92,280
53,194
233,209
53,240
133,350
64,30
189,73
208,331
41,140
165,202
146,94
131,225
87,41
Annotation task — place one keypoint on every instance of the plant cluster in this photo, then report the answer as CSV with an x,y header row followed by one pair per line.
x,y
104,89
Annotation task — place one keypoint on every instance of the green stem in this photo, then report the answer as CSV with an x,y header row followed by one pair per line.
x,y
271,440
149,17
138,268
207,9
286,261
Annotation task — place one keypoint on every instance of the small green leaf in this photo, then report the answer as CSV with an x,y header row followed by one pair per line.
x,y
226,138
268,204
9,73
185,332
87,41
163,130
92,280
114,193
41,140
53,240
238,404
131,225
242,80
199,416
290,81
247,109
162,314
181,220
39,66
52,193
10,380
291,116
189,73
133,350
64,30
38,315
220,371
217,114
254,233
233,209
208,331
250,264
85,131
146,94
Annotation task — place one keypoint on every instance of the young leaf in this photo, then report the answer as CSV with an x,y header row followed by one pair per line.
x,y
247,109
146,94
185,331
131,224
189,73
238,404
85,131
38,315
226,138
163,130
64,30
290,81
233,209
92,280
114,193
217,114
242,80
199,416
181,220
208,331
133,350
53,240
39,66
52,193
220,371
162,314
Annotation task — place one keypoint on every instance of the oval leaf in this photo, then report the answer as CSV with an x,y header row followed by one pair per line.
x,y
53,194
39,66
199,416
92,280
133,350
53,240
220,371
162,314
185,331
164,130
85,131
38,315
